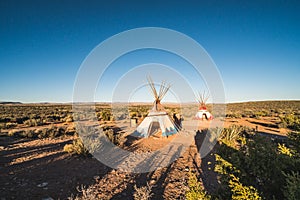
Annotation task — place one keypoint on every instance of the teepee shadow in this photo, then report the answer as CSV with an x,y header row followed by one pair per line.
x,y
206,171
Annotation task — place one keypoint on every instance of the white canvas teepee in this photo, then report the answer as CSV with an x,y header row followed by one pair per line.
x,y
203,113
157,118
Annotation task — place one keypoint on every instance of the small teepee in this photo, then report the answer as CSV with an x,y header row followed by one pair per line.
x,y
203,113
157,118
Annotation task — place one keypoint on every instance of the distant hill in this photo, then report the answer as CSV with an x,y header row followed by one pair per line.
x,y
9,102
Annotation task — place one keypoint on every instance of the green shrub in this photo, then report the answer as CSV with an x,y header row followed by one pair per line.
x,y
234,115
233,135
113,137
51,132
285,150
292,188
77,147
195,191
105,115
70,130
28,134
34,122
241,192
294,139
69,118
12,133
231,186
224,169
290,121
9,125
256,163
260,162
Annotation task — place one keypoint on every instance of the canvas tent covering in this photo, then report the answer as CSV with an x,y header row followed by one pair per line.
x,y
203,113
157,118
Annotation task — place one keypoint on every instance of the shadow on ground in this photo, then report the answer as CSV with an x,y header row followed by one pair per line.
x,y
49,173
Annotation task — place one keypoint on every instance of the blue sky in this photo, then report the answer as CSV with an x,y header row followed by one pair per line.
x,y
255,44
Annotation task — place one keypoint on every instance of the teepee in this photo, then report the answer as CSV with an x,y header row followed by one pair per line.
x,y
203,113
157,118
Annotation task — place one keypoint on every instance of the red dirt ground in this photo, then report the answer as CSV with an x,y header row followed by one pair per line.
x,y
39,168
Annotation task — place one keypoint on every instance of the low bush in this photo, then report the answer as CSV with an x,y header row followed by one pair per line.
x,y
234,115
282,149
242,192
10,125
77,147
69,118
258,168
231,187
234,134
86,194
290,121
294,140
142,193
292,188
115,138
40,133
196,190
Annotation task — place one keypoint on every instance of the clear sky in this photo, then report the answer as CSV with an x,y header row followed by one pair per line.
x,y
255,44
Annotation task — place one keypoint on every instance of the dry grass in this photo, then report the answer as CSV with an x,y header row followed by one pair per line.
x,y
142,193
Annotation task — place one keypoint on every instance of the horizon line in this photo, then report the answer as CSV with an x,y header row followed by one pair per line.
x,y
141,102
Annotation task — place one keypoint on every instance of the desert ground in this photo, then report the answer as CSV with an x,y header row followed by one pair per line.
x,y
34,163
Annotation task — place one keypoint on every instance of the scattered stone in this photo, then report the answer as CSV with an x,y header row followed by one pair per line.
x,y
187,169
152,182
44,184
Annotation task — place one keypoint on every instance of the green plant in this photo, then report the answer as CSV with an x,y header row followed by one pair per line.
x,y
294,139
231,186
113,137
232,135
69,118
260,162
241,192
105,115
292,188
290,121
285,150
233,115
12,133
9,125
195,191
77,147
28,134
